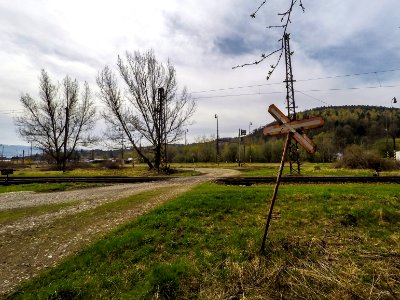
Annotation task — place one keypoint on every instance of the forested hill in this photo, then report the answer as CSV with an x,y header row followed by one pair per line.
x,y
345,125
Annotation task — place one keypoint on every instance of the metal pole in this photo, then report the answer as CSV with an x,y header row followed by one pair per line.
x,y
185,151
393,128
165,129
239,148
217,143
387,134
250,143
160,152
122,144
278,181
122,150
244,150
64,162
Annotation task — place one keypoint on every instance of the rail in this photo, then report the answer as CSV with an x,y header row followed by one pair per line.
x,y
106,179
308,179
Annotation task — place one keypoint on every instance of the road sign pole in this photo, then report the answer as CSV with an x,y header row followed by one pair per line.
x,y
278,181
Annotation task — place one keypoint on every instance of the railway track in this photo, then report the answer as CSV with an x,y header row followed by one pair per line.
x,y
308,179
247,181
106,179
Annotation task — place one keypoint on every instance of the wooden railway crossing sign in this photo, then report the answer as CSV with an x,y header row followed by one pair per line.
x,y
291,129
285,126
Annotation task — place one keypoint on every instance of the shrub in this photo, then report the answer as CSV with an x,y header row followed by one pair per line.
x,y
355,157
112,165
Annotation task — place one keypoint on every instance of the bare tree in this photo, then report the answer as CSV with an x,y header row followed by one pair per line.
x,y
59,120
141,110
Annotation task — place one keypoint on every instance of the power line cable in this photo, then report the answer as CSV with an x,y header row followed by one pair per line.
x,y
312,97
297,80
307,91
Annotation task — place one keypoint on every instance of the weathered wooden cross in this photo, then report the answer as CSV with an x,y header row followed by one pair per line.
x,y
292,129
285,126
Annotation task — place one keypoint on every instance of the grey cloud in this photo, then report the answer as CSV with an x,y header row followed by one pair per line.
x,y
362,52
232,45
41,39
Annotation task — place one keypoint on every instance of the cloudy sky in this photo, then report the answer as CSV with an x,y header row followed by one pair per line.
x,y
345,52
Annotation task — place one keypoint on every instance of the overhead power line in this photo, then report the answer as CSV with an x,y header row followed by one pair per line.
x,y
18,111
297,80
312,97
303,92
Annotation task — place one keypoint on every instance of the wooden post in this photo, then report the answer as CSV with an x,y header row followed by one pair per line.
x,y
278,181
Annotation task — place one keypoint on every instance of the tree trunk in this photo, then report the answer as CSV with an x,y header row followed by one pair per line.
x,y
145,159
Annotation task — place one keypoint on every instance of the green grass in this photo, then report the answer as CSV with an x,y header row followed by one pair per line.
x,y
325,241
126,171
47,187
89,172
309,169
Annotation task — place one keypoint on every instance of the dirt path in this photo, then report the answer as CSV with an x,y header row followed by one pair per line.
x,y
31,244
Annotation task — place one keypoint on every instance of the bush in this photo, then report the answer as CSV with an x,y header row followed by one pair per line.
x,y
355,157
112,165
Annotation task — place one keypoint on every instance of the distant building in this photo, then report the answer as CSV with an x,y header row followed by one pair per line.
x,y
397,155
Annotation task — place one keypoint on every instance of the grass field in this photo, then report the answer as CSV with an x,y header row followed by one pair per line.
x,y
325,242
138,170
310,169
126,170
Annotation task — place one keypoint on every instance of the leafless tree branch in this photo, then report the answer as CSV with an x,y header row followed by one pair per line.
x,y
285,19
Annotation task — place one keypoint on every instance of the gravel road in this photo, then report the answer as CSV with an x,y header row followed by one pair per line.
x,y
31,244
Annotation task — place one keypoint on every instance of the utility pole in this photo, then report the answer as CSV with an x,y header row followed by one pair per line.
x,y
165,127
31,154
387,134
217,143
291,106
122,147
393,101
250,143
140,147
161,139
64,162
239,147
186,131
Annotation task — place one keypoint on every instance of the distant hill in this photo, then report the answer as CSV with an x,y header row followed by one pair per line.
x,y
354,124
373,127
